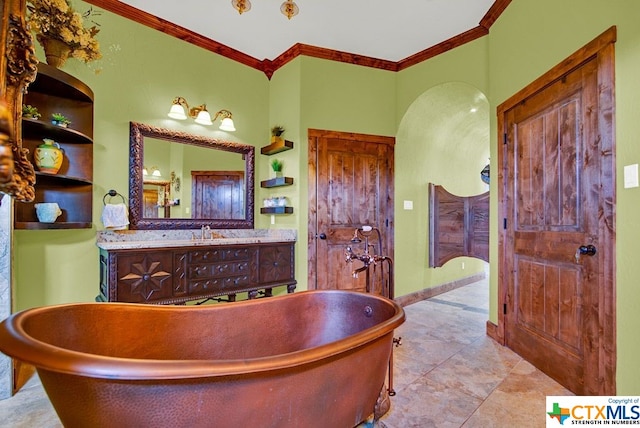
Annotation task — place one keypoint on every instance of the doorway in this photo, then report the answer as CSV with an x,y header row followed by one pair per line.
x,y
443,138
557,235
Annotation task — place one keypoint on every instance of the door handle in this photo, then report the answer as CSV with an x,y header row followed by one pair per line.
x,y
585,250
322,236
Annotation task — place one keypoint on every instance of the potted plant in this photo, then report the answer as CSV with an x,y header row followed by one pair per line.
x,y
276,166
30,112
60,120
276,133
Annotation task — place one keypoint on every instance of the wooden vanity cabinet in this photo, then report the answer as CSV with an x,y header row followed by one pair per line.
x,y
182,274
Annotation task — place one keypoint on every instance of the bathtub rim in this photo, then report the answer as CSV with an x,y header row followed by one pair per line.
x,y
18,343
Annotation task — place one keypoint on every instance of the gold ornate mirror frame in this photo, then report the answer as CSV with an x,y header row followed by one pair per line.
x,y
18,64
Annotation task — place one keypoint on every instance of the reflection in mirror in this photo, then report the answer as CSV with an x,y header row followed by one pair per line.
x,y
183,181
156,197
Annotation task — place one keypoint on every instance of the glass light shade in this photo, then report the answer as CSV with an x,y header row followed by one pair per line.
x,y
227,124
156,173
289,9
241,5
203,118
177,112
144,171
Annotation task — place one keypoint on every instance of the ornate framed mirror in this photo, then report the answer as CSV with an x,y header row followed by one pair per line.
x,y
207,181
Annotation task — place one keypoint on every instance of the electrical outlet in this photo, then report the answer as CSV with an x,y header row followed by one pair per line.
x,y
273,219
462,265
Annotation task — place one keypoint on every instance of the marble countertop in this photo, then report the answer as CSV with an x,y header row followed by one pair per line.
x,y
134,239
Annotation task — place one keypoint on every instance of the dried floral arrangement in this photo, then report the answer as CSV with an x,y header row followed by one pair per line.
x,y
56,19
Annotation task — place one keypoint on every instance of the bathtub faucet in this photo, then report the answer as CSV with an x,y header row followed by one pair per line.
x,y
360,269
365,258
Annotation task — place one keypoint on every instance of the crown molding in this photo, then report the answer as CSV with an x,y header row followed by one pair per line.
x,y
268,67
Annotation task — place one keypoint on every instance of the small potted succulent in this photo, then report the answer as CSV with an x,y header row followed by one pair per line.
x,y
30,112
60,120
276,133
276,166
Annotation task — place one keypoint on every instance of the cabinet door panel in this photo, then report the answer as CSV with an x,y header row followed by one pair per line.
x,y
144,277
276,263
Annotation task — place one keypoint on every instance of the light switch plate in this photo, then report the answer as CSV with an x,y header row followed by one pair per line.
x,y
408,205
631,176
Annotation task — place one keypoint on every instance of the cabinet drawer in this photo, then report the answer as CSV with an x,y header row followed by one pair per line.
x,y
217,270
219,285
221,254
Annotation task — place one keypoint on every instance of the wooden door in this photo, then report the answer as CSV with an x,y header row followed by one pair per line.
x,y
350,186
217,194
458,226
558,197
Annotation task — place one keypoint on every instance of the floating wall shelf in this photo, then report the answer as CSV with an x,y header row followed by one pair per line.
x,y
277,147
276,210
277,182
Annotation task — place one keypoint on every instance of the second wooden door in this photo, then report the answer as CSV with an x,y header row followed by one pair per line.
x,y
351,186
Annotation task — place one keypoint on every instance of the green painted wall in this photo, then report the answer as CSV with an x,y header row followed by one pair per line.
x,y
144,70
141,72
284,109
527,40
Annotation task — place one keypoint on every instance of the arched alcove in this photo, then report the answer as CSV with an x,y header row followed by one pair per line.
x,y
443,138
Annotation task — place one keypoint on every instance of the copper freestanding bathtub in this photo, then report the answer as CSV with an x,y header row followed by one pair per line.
x,y
309,359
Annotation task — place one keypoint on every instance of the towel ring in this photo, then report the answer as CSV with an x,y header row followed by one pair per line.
x,y
111,193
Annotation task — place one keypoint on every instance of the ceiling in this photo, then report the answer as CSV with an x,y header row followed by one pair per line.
x,y
382,31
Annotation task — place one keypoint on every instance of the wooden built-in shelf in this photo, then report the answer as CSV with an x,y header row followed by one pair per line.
x,y
277,147
36,225
276,210
55,132
42,177
54,91
277,182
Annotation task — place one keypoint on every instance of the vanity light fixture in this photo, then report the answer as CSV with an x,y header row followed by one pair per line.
x,y
155,172
180,110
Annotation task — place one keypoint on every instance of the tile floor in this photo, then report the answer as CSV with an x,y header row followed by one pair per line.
x,y
448,373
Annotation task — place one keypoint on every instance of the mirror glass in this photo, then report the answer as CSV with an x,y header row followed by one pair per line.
x,y
184,181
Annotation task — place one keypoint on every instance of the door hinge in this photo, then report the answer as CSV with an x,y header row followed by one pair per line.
x,y
504,223
504,309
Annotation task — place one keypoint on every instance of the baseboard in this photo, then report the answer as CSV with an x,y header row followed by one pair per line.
x,y
494,333
427,293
